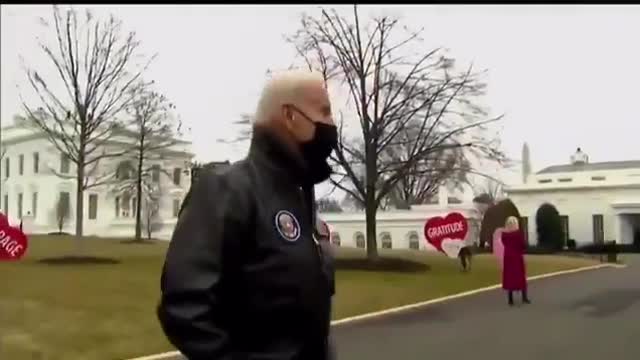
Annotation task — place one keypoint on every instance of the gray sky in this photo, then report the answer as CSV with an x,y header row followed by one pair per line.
x,y
564,76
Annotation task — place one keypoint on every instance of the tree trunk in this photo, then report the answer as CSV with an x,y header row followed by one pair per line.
x,y
372,244
79,203
371,206
138,235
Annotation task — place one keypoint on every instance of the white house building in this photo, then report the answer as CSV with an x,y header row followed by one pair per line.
x,y
31,189
597,201
401,229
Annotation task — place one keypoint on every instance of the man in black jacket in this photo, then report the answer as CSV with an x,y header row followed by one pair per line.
x,y
244,277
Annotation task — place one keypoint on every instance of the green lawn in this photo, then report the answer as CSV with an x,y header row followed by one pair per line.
x,y
107,312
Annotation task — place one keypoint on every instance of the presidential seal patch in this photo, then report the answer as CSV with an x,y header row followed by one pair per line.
x,y
287,225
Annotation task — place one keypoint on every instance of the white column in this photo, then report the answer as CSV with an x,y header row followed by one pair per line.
x,y
617,226
27,224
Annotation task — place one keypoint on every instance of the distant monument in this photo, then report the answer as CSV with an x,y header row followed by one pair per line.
x,y
526,163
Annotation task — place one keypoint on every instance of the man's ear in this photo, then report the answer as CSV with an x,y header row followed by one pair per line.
x,y
289,117
287,112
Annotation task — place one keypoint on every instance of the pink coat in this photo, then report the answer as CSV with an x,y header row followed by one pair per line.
x,y
514,277
498,248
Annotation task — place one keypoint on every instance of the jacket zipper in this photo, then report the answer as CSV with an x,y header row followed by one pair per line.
x,y
311,211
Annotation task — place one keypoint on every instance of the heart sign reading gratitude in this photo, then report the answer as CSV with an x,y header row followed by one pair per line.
x,y
13,242
447,234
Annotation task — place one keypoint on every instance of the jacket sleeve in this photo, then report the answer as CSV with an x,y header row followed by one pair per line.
x,y
202,253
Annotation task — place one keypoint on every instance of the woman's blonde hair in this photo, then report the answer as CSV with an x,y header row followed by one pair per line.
x,y
512,223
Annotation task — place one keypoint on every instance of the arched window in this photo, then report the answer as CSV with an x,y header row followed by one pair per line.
x,y
360,240
125,204
414,240
385,240
335,238
124,170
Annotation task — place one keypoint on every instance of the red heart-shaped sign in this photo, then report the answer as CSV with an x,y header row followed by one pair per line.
x,y
13,242
452,226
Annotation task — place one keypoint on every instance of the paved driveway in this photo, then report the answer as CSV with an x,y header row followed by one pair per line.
x,y
583,316
589,315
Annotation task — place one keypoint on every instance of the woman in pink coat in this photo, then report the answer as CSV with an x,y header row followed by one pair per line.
x,y
514,276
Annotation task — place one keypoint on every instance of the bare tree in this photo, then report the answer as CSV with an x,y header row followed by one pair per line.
x,y
390,88
155,131
349,203
244,130
151,220
488,190
423,178
97,64
328,205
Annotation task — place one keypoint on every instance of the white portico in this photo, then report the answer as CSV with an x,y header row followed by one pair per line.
x,y
401,229
627,224
597,201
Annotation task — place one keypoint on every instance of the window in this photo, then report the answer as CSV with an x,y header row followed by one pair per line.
x,y
6,205
7,167
386,240
34,204
125,204
20,205
36,164
155,173
93,206
335,238
598,178
64,206
65,165
414,241
565,180
544,181
21,164
598,228
360,241
176,207
117,206
176,176
124,171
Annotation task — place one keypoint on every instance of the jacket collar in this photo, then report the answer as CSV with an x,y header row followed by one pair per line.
x,y
275,157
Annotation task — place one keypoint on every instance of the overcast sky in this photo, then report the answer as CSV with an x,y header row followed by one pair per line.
x,y
564,76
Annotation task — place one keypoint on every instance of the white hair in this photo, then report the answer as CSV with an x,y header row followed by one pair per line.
x,y
281,89
512,223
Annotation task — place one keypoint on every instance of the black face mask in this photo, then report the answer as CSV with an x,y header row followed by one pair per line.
x,y
317,150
